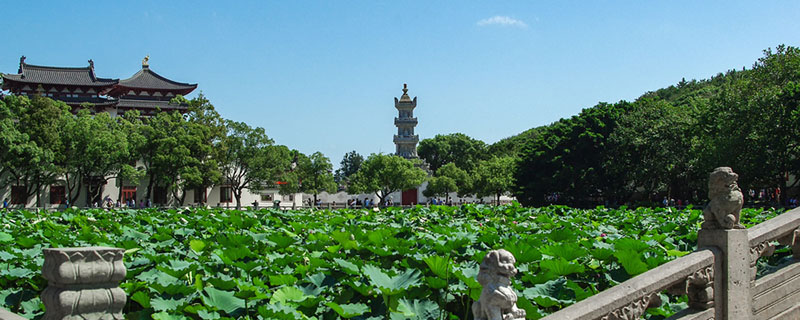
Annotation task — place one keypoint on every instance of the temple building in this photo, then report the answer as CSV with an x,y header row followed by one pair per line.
x,y
405,140
75,86
145,91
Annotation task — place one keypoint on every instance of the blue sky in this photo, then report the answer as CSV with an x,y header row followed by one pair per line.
x,y
321,76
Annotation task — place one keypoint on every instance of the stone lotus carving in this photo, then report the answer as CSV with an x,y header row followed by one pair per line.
x,y
498,300
722,212
83,283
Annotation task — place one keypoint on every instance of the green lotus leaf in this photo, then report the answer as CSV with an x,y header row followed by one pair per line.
x,y
288,294
5,237
631,244
197,245
347,266
415,309
282,279
222,300
348,310
142,298
391,285
160,304
561,267
631,261
440,266
568,251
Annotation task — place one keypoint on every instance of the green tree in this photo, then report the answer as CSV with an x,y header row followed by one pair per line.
x,y
495,176
384,174
567,158
511,146
26,160
131,124
209,128
317,175
651,149
448,179
456,148
249,159
95,150
170,139
348,166
752,125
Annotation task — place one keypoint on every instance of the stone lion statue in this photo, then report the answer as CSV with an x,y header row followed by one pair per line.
x,y
722,212
498,300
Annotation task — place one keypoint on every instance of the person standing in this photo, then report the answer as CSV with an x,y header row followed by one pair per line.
x,y
5,203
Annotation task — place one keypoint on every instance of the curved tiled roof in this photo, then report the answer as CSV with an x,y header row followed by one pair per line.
x,y
83,76
147,79
148,104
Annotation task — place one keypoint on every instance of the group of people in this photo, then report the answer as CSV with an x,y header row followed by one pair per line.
x,y
129,203
674,203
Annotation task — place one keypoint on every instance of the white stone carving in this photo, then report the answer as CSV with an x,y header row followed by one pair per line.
x,y
83,283
498,300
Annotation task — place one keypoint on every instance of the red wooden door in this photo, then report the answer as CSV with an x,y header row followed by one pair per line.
x,y
409,197
128,193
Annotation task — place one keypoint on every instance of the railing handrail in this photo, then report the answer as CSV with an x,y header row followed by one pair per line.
x,y
7,315
774,228
632,290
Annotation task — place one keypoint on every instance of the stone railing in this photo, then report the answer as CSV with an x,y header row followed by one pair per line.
x,y
720,277
775,295
692,274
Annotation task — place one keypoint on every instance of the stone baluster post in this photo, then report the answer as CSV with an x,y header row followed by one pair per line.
x,y
83,283
721,229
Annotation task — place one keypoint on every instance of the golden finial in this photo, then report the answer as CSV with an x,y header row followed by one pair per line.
x,y
145,61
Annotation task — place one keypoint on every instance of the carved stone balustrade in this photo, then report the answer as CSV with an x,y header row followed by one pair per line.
x,y
692,274
83,283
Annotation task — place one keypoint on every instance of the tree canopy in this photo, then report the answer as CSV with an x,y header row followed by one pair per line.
x,y
384,174
250,160
457,148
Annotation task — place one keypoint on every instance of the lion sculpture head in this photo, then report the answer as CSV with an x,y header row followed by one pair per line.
x,y
726,199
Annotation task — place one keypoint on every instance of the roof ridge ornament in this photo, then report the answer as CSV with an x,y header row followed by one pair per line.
x,y
91,64
21,62
146,61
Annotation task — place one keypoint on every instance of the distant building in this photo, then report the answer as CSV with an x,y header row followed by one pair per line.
x,y
405,140
145,91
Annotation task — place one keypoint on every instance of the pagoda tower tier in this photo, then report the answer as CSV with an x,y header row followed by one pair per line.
x,y
405,140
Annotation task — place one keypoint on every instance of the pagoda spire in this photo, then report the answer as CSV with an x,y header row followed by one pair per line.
x,y
405,140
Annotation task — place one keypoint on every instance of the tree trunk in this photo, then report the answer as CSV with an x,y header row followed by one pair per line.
x,y
73,187
38,195
238,196
89,195
182,198
121,183
380,197
149,187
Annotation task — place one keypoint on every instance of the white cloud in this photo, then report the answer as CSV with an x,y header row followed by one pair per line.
x,y
503,21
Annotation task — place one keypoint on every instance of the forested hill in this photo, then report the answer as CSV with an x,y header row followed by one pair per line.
x,y
684,93
666,142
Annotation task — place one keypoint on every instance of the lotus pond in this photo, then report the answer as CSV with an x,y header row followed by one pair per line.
x,y
417,263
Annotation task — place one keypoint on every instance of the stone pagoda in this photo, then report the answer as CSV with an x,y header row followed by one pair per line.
x,y
405,140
